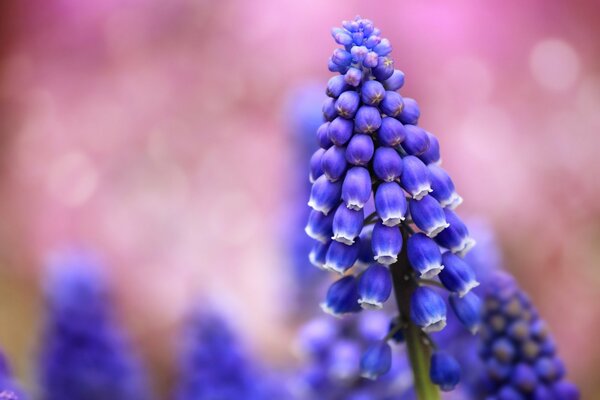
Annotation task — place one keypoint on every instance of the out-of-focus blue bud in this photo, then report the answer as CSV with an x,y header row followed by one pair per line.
x,y
376,361
444,371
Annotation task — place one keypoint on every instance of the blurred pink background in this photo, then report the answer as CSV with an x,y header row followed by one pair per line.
x,y
155,132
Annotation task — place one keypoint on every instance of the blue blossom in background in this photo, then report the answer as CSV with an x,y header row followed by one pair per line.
x,y
215,366
382,205
83,354
9,388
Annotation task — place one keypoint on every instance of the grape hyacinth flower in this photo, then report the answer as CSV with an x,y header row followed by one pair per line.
x,y
373,155
518,351
214,364
9,388
84,355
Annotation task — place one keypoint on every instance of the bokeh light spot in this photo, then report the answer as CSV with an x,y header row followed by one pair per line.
x,y
554,64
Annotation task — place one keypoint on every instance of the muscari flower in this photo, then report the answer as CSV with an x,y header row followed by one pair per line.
x,y
374,156
517,349
84,354
215,365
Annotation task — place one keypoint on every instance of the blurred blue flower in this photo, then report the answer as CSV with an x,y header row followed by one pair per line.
x,y
9,388
84,354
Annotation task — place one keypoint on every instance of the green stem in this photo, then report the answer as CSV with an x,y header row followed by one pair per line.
x,y
419,350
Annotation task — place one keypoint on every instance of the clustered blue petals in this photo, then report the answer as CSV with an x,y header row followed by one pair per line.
x,y
517,349
378,173
84,354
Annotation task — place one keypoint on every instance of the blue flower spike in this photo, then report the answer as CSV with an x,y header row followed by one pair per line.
x,y
385,201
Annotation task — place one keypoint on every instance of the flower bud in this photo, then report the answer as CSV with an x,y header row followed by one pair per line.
x,y
343,360
415,177
341,36
372,93
410,112
416,142
340,130
324,195
457,276
392,104
503,350
341,57
368,119
365,253
394,82
444,371
443,187
333,163
323,136
328,109
356,188
565,391
342,297
333,67
353,76
424,255
347,104
336,86
360,150
376,361
428,215
383,48
387,164
315,165
318,253
359,53
374,287
319,226
390,203
432,155
468,310
347,224
371,60
341,257
372,41
456,236
524,378
391,133
384,68
427,310
386,243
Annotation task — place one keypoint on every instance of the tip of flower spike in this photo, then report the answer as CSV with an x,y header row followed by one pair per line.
x,y
436,230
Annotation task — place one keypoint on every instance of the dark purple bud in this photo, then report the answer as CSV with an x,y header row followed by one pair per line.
x,y
384,68
372,93
383,48
340,130
323,136
336,86
374,287
324,195
329,111
432,155
415,177
444,371
390,204
315,165
410,112
417,141
360,149
394,82
456,236
524,378
347,104
387,164
341,57
428,215
333,163
353,76
392,104
342,297
391,133
356,189
347,224
368,119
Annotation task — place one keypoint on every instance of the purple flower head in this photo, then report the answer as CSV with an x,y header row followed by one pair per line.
x,y
83,353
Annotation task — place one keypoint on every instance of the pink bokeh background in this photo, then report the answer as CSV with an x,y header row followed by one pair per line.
x,y
156,133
